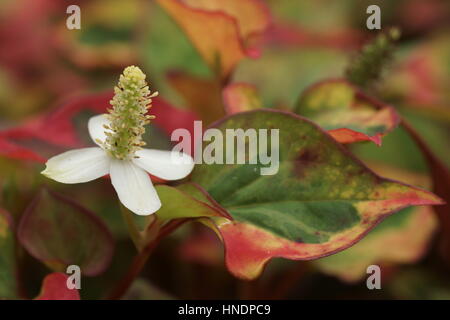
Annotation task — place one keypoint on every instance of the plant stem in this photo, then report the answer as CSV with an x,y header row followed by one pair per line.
x,y
440,175
134,232
141,258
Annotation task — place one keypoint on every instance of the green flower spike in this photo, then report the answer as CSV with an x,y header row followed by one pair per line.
x,y
128,116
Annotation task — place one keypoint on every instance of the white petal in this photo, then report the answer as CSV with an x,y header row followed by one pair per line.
x,y
134,187
96,128
167,165
79,165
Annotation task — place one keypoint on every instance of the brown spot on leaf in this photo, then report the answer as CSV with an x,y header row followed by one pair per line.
x,y
299,240
306,159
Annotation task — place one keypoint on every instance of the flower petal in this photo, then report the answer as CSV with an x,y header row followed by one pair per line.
x,y
167,165
134,187
96,128
77,166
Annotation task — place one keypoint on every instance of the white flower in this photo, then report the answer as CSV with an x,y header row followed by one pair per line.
x,y
129,177
120,153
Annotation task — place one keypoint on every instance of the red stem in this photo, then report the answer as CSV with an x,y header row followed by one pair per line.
x,y
441,186
140,260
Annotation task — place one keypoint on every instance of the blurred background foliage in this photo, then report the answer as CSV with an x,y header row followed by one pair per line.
x,y
43,65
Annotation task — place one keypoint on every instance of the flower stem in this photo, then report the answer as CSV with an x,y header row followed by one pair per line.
x,y
133,230
141,258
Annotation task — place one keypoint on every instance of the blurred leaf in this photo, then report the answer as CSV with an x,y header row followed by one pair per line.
x,y
54,287
434,132
66,127
441,186
400,239
346,112
239,97
419,284
220,30
161,57
297,24
142,289
396,146
290,35
37,139
421,80
333,14
31,56
202,247
252,16
59,126
103,42
14,151
321,201
201,95
272,73
59,232
8,266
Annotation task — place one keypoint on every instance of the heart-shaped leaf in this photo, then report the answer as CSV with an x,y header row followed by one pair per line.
x,y
54,287
346,112
59,232
321,201
220,30
8,266
401,238
239,97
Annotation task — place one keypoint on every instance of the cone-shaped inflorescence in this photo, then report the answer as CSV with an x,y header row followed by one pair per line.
x,y
128,115
373,59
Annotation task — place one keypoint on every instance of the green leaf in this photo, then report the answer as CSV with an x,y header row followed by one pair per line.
x,y
321,201
59,232
400,239
8,265
178,203
346,112
183,202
